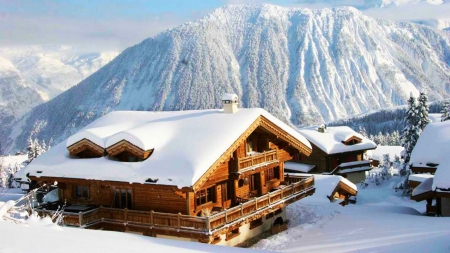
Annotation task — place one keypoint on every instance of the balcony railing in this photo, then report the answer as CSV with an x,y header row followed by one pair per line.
x,y
257,160
187,223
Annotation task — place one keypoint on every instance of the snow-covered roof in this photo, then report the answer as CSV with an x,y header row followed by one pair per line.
x,y
185,143
378,153
230,96
419,177
300,167
432,145
423,187
442,175
331,140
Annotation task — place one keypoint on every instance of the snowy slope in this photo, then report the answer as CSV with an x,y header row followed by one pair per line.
x,y
30,76
428,12
304,66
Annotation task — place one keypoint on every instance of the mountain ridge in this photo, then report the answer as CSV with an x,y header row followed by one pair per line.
x,y
304,66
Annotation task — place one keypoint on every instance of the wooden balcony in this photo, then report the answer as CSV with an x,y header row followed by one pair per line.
x,y
211,225
257,160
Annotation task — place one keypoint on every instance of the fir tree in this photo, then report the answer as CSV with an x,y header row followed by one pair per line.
x,y
445,111
37,148
411,132
30,150
423,110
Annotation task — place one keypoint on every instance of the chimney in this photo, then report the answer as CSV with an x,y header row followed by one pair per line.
x,y
230,103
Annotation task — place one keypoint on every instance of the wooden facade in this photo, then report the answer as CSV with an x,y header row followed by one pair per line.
x,y
245,184
328,162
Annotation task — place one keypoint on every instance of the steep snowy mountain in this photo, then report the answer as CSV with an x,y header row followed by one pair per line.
x,y
32,75
424,12
368,4
304,66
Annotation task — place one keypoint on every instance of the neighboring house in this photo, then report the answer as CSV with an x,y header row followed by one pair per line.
x,y
331,187
212,176
337,150
430,164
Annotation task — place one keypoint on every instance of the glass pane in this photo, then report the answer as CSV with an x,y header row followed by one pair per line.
x,y
123,198
116,198
129,206
85,192
78,191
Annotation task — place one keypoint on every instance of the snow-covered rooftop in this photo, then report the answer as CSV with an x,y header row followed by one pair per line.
x,y
185,143
423,187
300,167
331,140
378,153
419,177
433,144
442,175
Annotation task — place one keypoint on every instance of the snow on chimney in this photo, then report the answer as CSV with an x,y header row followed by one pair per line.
x,y
230,103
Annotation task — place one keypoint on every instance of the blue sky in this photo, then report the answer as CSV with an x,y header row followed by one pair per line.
x,y
114,24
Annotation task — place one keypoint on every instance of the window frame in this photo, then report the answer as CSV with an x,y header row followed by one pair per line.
x,y
205,196
82,191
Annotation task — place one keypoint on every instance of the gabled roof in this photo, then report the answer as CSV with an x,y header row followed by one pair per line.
x,y
332,140
186,145
432,146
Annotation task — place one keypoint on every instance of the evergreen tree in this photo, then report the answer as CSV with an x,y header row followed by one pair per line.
x,y
411,132
395,139
362,131
423,110
30,150
37,148
445,111
43,147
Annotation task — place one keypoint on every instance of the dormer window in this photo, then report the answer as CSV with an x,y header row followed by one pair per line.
x,y
352,141
125,151
86,149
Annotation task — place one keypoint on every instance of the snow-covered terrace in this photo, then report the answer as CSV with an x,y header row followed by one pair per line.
x,y
185,143
331,141
300,167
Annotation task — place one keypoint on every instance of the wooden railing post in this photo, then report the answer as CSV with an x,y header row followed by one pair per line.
x,y
242,210
126,214
80,218
293,188
226,218
256,204
268,194
208,223
179,220
151,217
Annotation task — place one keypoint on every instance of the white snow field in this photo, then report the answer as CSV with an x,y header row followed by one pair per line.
x,y
382,221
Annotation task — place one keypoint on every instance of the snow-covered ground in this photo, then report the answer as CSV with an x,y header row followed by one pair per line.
x,y
382,221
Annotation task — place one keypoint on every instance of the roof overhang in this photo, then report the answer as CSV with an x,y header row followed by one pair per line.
x,y
125,145
84,145
263,122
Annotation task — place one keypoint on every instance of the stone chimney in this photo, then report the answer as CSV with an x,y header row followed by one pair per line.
x,y
230,103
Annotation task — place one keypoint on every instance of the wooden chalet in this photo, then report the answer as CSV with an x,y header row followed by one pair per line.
x,y
429,164
337,151
212,176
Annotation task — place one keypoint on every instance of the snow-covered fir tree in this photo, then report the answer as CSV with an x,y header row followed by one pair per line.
x,y
412,131
423,110
30,150
445,111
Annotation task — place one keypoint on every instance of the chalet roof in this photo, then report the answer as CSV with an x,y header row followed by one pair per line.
x,y
326,185
432,145
331,141
442,175
300,167
186,144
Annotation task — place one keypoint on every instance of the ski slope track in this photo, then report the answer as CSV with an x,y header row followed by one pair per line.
x,y
304,66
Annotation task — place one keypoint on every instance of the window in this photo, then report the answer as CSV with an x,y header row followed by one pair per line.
x,y
272,173
225,191
82,191
249,145
122,198
204,196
